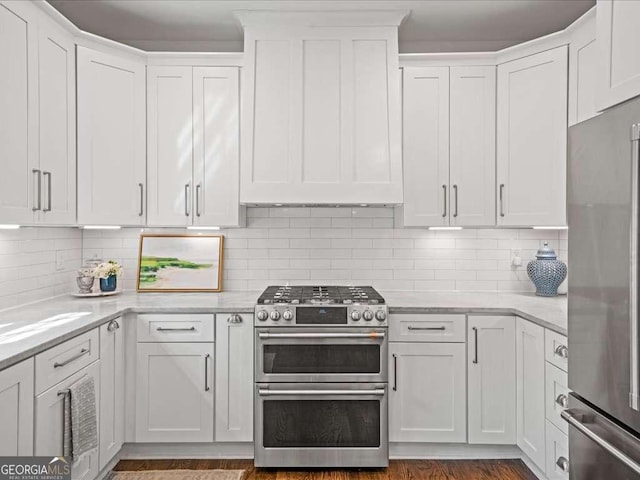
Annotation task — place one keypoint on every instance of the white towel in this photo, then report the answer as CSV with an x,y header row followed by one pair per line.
x,y
84,418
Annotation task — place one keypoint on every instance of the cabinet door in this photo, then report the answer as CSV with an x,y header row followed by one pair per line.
x,y
582,70
426,146
112,404
170,146
473,146
532,140
428,400
57,115
530,398
49,428
492,380
111,139
16,409
557,454
174,392
18,113
216,147
234,378
618,60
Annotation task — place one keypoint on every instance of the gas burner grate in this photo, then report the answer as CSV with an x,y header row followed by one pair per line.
x,y
346,295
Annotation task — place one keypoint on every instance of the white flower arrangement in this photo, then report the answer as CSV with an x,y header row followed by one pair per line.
x,y
107,269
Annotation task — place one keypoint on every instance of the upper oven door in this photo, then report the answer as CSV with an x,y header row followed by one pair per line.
x,y
321,355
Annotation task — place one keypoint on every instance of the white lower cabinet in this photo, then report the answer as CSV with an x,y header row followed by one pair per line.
x,y
174,392
112,384
49,423
557,467
16,410
234,378
530,394
427,400
492,379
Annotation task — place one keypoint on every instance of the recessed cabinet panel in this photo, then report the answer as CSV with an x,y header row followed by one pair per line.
x,y
321,111
18,114
16,410
583,70
170,145
426,146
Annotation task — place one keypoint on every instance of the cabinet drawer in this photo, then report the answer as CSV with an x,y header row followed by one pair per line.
x,y
176,328
557,393
557,461
57,363
427,328
555,349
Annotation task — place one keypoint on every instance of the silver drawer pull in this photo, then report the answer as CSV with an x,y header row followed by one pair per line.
x,y
562,400
177,329
265,392
113,325
82,353
235,318
442,329
322,335
562,351
563,464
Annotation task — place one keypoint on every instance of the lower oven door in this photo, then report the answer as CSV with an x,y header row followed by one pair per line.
x,y
321,425
321,354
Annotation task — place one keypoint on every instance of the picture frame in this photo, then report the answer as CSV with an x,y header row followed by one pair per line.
x,y
179,263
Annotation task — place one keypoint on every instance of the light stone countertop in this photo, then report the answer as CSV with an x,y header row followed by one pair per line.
x,y
31,329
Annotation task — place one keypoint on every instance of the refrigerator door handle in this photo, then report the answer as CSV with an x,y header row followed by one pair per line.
x,y
574,421
633,283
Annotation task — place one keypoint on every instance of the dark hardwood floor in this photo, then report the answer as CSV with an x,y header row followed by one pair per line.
x,y
398,470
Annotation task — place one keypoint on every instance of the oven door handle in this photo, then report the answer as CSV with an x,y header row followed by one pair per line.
x,y
371,335
265,392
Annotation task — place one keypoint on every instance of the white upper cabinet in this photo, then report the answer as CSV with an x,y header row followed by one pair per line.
x,y
321,109
449,146
618,60
111,139
532,140
193,146
57,122
582,69
18,112
426,146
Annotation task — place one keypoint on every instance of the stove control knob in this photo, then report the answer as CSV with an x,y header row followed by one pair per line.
x,y
381,315
287,315
262,315
355,315
367,315
275,315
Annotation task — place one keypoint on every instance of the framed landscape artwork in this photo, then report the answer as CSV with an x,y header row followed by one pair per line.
x,y
180,263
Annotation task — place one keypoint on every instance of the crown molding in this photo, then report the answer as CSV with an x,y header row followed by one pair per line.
x,y
343,18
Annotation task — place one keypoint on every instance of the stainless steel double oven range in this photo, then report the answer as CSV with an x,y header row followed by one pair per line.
x,y
321,377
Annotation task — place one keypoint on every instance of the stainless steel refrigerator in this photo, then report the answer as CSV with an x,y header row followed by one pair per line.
x,y
604,368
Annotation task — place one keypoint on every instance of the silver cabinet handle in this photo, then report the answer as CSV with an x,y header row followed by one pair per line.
x,y
455,195
113,325
444,191
206,373
141,211
562,400
563,464
562,351
265,392
633,269
501,200
47,175
234,319
186,199
395,372
37,204
198,188
176,329
442,328
82,353
322,335
475,336
582,428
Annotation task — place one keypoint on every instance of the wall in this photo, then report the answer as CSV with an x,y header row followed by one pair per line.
x,y
28,270
352,246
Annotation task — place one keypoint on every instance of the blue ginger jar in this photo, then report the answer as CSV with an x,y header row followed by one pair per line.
x,y
547,272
